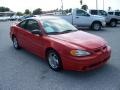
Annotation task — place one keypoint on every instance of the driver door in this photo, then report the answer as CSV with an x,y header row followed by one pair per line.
x,y
34,43
82,18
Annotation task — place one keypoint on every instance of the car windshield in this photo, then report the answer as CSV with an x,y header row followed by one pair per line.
x,y
57,26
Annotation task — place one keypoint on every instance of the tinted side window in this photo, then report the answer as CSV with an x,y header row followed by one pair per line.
x,y
32,25
81,13
110,13
94,12
101,12
117,13
22,24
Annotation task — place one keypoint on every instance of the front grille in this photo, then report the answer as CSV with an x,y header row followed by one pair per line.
x,y
100,49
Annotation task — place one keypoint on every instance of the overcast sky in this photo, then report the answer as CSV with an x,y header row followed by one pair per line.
x,y
21,5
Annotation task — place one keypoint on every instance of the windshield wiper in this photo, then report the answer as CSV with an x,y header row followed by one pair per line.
x,y
54,33
67,31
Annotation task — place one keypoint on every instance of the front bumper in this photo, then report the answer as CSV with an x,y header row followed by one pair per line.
x,y
86,63
103,24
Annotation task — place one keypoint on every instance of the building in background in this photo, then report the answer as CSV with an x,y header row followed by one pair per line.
x,y
8,13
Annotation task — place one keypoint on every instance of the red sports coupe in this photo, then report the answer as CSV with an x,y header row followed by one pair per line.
x,y
60,43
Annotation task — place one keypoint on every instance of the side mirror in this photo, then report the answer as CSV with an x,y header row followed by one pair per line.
x,y
36,32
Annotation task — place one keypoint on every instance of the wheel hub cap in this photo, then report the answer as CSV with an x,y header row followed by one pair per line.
x,y
96,26
15,42
53,60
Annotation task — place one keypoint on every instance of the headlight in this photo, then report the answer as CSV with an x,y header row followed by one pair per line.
x,y
79,53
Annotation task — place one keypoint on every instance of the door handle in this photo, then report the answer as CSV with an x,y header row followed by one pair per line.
x,y
77,17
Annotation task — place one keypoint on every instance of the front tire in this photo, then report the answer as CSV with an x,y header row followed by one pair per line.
x,y
113,23
96,26
54,60
15,43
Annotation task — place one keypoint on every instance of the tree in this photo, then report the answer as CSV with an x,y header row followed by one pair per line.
x,y
37,11
84,7
27,11
4,9
66,11
19,13
70,10
117,10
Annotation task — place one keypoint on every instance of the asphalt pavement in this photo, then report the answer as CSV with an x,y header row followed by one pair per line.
x,y
21,70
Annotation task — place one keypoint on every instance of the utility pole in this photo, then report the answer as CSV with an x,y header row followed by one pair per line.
x,y
103,4
96,4
62,6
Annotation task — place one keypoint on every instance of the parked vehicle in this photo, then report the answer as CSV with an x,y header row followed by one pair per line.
x,y
64,46
14,17
4,18
111,20
115,13
81,18
21,18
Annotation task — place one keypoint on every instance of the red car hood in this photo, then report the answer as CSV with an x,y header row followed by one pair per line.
x,y
82,39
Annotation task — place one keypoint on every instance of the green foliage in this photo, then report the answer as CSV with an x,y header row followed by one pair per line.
x,y
84,7
4,9
19,13
37,11
68,10
27,11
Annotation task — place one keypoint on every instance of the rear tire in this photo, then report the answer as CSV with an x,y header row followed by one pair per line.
x,y
15,43
54,60
96,26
